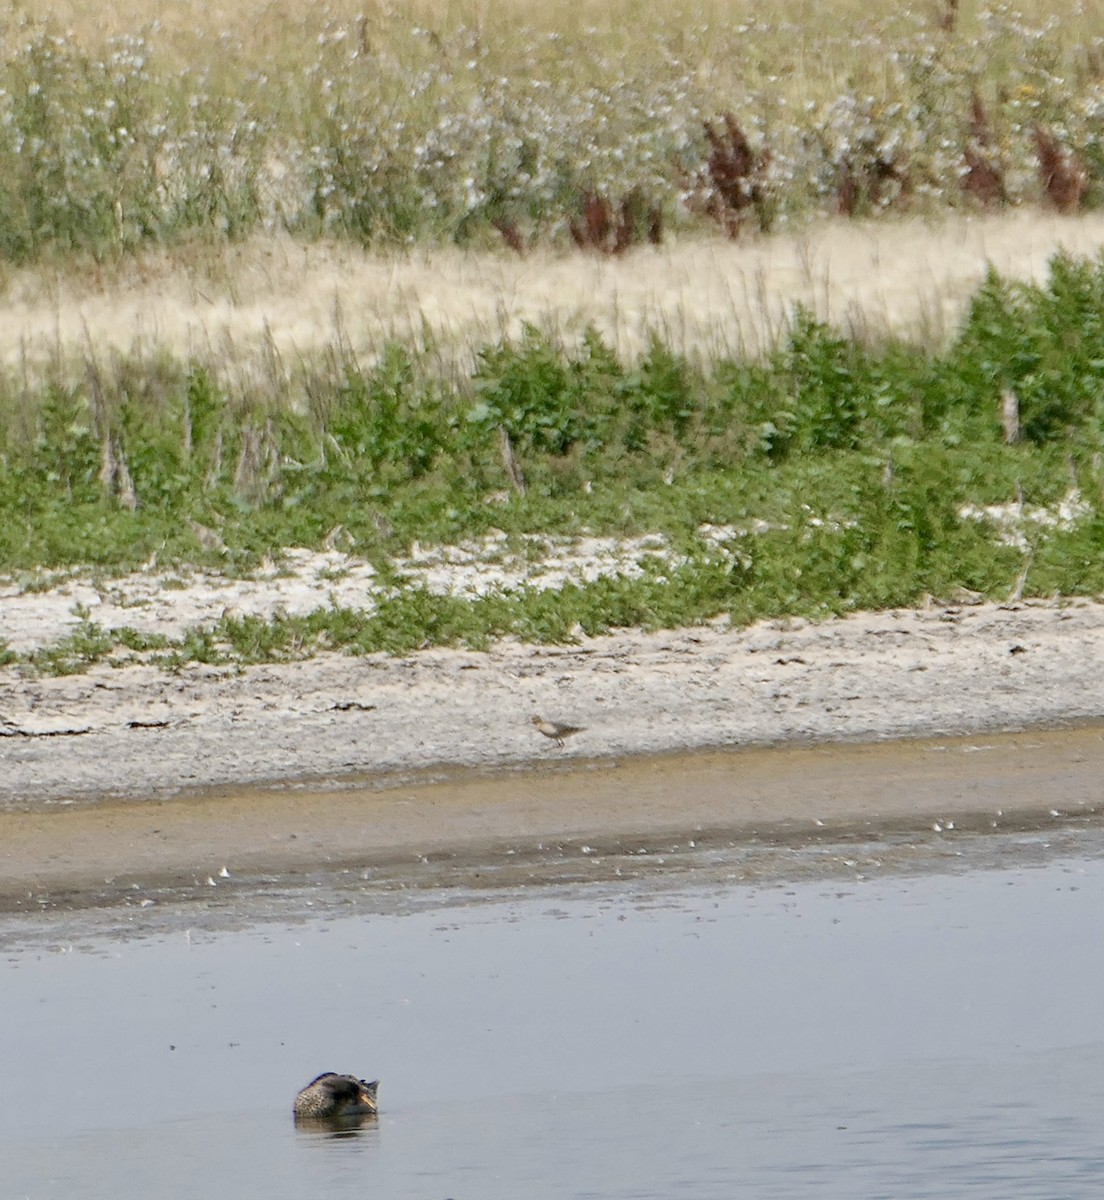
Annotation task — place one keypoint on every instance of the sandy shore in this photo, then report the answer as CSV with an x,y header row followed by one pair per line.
x,y
784,729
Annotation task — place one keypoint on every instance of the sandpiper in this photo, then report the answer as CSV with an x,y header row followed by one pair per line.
x,y
554,730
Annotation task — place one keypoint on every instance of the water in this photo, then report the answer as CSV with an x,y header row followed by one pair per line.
x,y
901,1037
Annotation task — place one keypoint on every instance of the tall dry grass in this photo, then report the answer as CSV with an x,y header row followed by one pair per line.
x,y
514,124
274,303
800,51
695,28
200,181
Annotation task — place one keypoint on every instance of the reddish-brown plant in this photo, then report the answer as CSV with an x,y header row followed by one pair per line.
x,y
1061,173
592,230
602,228
983,175
862,183
511,234
734,182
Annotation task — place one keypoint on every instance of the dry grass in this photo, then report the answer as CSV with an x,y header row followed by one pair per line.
x,y
480,122
621,23
802,50
829,96
275,300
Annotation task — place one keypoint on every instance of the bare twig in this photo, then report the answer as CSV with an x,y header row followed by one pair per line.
x,y
510,462
1021,580
1010,416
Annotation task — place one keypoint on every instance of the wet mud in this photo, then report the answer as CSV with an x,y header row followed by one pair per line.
x,y
579,821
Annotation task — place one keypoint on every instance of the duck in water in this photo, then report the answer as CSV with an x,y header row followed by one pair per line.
x,y
333,1097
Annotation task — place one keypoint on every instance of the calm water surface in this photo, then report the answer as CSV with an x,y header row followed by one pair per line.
x,y
910,1037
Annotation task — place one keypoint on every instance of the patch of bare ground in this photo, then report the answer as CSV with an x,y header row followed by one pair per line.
x,y
139,732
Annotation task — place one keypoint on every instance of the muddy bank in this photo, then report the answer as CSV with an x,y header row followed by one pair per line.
x,y
140,732
427,769
589,821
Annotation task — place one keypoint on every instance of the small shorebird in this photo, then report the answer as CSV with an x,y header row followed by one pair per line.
x,y
554,730
331,1097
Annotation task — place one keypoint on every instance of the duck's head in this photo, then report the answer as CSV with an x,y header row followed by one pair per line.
x,y
331,1095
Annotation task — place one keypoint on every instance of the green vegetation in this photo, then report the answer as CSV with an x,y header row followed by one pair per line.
x,y
830,477
490,128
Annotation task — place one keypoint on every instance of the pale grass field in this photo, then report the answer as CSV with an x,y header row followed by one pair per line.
x,y
795,50
275,302
263,25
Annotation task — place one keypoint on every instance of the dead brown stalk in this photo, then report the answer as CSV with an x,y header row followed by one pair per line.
x,y
983,176
115,474
1061,173
258,462
511,234
607,230
864,183
509,461
734,183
